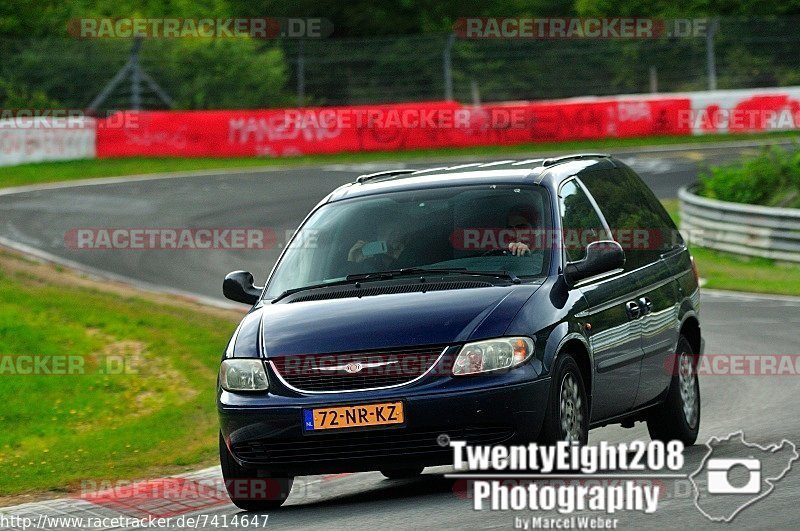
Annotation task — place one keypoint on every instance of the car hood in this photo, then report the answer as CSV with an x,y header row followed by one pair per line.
x,y
389,321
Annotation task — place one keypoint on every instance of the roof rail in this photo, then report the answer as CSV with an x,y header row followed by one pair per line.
x,y
386,173
577,156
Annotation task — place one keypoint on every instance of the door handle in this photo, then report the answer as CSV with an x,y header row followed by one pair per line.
x,y
646,304
633,309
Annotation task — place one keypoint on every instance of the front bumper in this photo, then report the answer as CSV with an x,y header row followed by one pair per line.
x,y
265,432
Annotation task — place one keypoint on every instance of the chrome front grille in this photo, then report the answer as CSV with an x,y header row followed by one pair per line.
x,y
357,371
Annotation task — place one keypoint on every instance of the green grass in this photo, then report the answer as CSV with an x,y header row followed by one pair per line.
x,y
60,429
760,275
84,169
727,271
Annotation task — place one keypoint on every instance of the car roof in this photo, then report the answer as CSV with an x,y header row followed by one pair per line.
x,y
510,171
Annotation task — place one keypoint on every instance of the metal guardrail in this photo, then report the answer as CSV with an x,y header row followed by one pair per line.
x,y
738,228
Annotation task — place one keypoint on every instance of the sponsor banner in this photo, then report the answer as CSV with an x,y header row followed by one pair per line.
x,y
396,127
744,111
291,132
43,138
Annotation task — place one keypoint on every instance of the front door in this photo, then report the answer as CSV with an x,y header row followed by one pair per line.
x,y
612,325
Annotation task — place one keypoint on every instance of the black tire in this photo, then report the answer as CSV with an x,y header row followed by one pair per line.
x,y
678,418
276,488
402,473
567,415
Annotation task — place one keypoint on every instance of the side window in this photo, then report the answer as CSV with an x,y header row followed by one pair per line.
x,y
635,216
579,220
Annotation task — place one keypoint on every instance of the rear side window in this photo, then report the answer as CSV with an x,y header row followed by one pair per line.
x,y
580,222
635,216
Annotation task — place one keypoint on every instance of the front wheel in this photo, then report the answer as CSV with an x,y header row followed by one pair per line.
x,y
246,490
678,417
567,416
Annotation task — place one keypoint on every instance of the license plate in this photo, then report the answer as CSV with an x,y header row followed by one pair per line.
x,y
332,418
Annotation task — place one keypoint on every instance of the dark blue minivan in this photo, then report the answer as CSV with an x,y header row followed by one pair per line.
x,y
497,303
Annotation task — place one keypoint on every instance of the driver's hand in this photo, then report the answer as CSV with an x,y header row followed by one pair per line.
x,y
355,254
518,248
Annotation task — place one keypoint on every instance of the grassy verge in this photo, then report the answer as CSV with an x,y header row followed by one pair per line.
x,y
84,169
102,422
741,273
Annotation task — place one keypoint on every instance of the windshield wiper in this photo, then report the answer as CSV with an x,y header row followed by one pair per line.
x,y
292,291
408,271
349,279
393,273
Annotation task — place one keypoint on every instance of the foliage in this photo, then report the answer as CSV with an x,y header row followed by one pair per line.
x,y
772,178
392,52
20,97
199,73
195,73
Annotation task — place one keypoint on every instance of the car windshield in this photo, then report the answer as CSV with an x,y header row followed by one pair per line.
x,y
477,228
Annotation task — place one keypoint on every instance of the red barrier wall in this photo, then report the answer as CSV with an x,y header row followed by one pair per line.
x,y
286,132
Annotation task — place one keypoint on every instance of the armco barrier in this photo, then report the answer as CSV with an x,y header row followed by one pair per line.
x,y
749,230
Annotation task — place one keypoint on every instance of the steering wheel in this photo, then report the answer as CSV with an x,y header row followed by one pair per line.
x,y
495,252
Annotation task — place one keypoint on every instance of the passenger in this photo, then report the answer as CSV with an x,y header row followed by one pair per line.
x,y
388,249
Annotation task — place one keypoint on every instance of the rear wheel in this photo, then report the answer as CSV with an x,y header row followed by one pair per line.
x,y
678,417
402,473
567,416
248,491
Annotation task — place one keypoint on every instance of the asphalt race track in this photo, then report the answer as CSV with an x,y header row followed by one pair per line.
x,y
276,200
764,407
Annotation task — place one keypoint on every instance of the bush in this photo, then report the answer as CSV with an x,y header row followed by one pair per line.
x,y
20,97
195,73
772,178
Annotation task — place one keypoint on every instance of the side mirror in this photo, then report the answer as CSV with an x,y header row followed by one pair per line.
x,y
601,257
238,286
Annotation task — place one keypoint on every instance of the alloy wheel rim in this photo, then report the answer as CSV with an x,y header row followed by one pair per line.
x,y
687,383
571,409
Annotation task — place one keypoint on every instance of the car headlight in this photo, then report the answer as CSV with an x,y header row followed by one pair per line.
x,y
243,375
492,355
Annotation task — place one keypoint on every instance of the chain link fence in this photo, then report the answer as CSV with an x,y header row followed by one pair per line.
x,y
242,73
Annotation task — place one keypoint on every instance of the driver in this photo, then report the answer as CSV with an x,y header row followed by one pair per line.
x,y
521,218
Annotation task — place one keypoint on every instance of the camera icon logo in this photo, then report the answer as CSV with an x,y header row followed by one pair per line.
x,y
719,472
735,474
